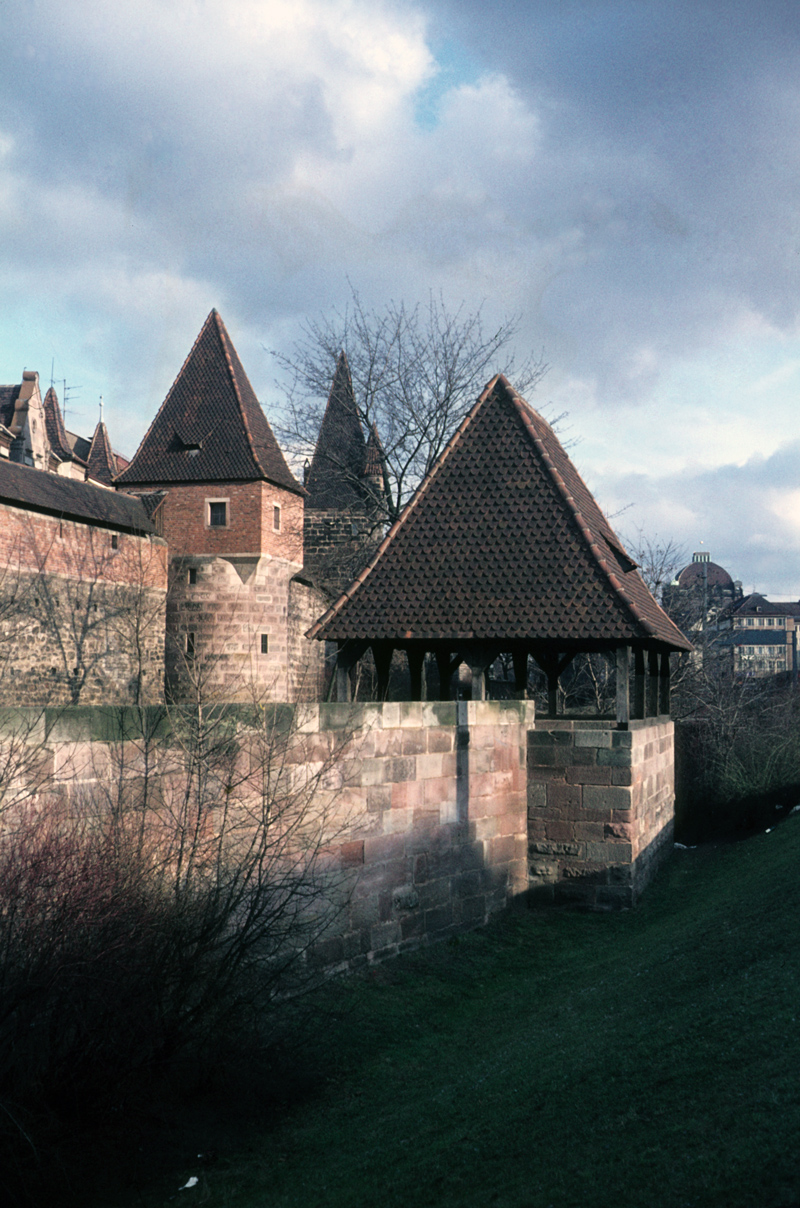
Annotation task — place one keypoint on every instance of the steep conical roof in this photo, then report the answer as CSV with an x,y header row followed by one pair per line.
x,y
503,540
54,425
210,427
373,460
101,464
337,467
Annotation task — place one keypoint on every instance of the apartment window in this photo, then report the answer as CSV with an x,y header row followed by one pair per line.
x,y
265,643
190,645
115,542
217,513
276,517
192,574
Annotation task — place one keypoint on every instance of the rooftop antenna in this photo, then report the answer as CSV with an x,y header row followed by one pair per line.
x,y
52,369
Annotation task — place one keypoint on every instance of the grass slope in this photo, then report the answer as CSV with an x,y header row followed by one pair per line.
x,y
644,1058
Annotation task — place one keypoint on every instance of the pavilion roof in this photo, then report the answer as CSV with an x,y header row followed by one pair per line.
x,y
503,541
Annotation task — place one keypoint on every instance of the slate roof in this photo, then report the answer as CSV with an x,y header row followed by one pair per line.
x,y
54,424
8,397
210,427
337,467
101,464
65,497
757,605
503,541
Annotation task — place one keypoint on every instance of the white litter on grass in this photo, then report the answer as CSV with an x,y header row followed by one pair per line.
x,y
192,1182
768,831
796,808
681,846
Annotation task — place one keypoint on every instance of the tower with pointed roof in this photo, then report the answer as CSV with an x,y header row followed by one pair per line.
x,y
232,513
342,512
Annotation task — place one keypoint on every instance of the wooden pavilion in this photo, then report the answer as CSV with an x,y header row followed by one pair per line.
x,y
503,550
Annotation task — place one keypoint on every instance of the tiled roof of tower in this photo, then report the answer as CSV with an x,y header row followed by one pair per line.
x,y
337,466
101,464
210,427
503,541
54,423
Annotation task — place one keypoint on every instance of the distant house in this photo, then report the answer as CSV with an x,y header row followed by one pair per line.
x,y
763,637
32,433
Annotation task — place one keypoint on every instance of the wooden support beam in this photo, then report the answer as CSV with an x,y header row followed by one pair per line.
x,y
382,653
663,685
349,654
623,687
445,669
639,697
652,683
520,661
416,666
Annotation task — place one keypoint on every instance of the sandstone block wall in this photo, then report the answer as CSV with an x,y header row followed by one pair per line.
x,y
600,809
435,795
222,612
424,804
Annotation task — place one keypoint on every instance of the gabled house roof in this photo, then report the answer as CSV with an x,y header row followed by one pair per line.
x,y
338,464
755,604
101,464
502,541
210,427
25,487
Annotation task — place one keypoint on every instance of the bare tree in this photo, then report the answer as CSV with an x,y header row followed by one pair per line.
x,y
416,371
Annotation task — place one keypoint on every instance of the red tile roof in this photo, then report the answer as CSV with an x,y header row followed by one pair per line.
x,y
503,541
210,427
337,467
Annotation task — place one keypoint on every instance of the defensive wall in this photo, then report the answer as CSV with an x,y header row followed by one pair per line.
x,y
443,812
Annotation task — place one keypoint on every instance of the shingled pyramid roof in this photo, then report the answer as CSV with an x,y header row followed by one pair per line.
x,y
101,464
210,427
54,424
503,541
337,467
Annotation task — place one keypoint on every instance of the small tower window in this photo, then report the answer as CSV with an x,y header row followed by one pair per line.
x,y
217,513
192,574
265,643
190,645
115,541
276,517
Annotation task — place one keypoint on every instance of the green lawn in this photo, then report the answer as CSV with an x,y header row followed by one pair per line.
x,y
641,1058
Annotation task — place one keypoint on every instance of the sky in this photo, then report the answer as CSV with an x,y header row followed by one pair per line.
x,y
623,175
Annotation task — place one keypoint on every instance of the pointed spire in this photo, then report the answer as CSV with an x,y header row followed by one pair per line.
x,y
337,467
54,426
210,427
373,461
101,464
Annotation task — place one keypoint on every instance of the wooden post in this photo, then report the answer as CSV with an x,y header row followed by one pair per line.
x,y
623,688
520,660
416,663
652,683
445,673
638,683
382,654
343,691
663,684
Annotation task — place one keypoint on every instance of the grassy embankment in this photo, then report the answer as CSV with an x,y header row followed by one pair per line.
x,y
644,1058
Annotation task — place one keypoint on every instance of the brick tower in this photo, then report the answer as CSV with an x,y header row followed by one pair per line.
x,y
232,514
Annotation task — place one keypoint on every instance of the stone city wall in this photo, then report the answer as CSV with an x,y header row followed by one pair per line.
x,y
600,809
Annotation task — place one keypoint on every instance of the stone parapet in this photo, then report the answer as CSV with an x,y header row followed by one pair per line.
x,y
600,809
